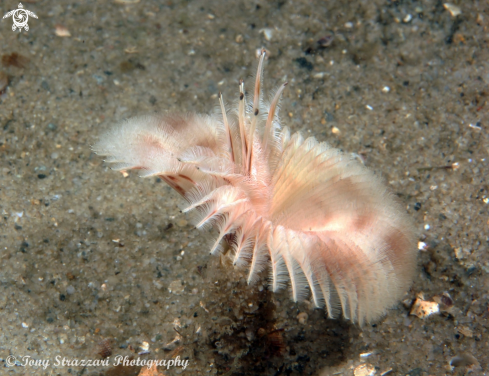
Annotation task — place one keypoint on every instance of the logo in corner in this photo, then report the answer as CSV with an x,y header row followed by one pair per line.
x,y
20,16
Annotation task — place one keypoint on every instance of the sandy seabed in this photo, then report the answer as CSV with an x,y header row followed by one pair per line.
x,y
95,265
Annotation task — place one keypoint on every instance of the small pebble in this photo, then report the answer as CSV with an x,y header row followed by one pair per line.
x,y
364,370
182,223
326,41
466,331
62,31
480,19
144,346
366,355
302,317
465,360
423,308
267,33
422,246
453,9
176,287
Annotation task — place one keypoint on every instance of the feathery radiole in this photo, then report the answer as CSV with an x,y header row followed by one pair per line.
x,y
316,217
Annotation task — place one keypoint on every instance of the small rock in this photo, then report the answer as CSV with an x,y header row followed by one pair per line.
x,y
422,246
176,287
364,370
445,301
423,308
453,9
62,31
302,317
182,223
144,346
466,331
267,33
465,360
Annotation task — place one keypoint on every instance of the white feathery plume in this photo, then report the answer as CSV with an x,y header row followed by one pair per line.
x,y
319,220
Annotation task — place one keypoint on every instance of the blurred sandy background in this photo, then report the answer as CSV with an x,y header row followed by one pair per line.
x,y
92,261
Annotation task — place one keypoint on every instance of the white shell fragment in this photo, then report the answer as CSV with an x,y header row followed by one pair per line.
x,y
364,370
267,33
422,246
366,355
144,346
465,331
423,308
131,50
62,31
173,344
453,9
408,18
